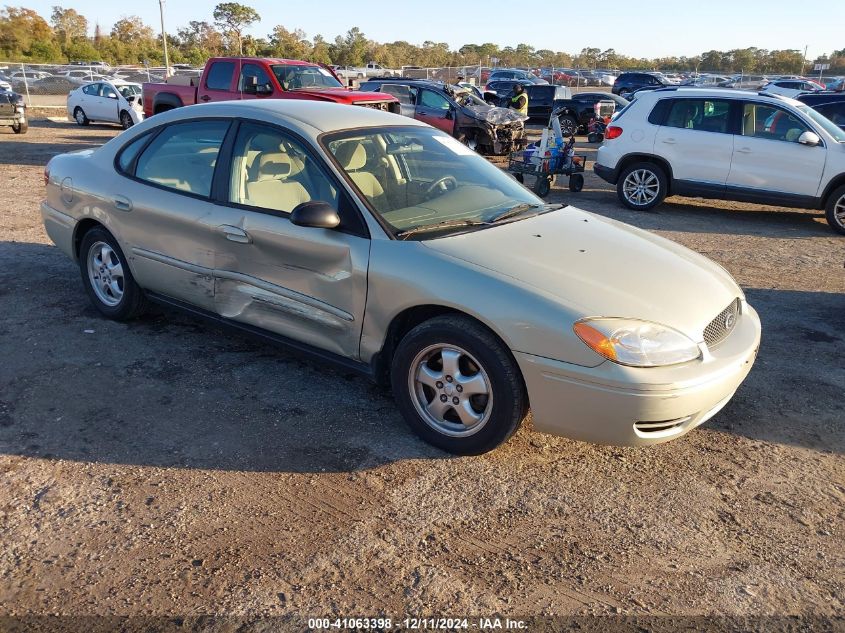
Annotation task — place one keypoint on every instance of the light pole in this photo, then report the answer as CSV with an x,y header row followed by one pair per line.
x,y
164,38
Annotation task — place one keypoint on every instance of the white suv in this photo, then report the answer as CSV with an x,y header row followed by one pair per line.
x,y
731,144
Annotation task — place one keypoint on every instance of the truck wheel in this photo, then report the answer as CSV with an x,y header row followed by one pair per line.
x,y
576,183
835,210
458,386
568,125
20,128
79,115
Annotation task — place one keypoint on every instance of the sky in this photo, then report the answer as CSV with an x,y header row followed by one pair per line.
x,y
639,28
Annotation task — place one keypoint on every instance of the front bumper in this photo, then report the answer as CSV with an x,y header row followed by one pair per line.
x,y
629,406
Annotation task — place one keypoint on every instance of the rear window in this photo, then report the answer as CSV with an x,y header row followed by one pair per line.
x,y
220,76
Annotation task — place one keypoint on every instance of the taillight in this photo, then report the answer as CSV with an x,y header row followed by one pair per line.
x,y
612,132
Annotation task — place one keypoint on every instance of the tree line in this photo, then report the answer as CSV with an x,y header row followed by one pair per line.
x,y
64,36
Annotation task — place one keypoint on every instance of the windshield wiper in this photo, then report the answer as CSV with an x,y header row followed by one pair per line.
x,y
514,211
446,224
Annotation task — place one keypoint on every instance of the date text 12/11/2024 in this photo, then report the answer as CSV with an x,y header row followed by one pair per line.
x,y
417,624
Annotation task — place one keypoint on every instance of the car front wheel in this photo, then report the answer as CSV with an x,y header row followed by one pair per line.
x,y
835,210
126,121
107,278
458,386
642,186
79,115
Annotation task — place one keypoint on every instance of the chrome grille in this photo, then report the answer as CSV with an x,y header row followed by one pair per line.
x,y
719,328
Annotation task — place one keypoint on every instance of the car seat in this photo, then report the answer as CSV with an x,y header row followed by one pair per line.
x,y
271,189
352,156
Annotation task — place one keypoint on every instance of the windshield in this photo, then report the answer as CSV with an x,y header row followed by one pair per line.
x,y
297,77
823,122
467,98
418,177
128,90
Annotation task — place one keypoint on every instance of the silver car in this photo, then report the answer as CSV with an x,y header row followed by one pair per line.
x,y
387,246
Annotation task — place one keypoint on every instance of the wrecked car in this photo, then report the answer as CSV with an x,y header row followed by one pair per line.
x,y
13,112
457,111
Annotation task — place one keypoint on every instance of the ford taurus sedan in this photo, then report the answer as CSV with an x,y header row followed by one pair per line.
x,y
385,245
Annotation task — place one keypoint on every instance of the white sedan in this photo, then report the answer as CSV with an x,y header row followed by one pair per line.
x,y
107,101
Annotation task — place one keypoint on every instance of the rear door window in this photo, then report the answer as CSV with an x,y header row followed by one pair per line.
x,y
183,156
706,115
220,76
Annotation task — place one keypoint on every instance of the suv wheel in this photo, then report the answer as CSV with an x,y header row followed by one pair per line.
x,y
641,186
835,210
568,126
107,278
458,386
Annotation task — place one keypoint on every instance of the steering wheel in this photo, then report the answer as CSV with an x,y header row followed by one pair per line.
x,y
443,183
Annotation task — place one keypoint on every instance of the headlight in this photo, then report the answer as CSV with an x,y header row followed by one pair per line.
x,y
636,343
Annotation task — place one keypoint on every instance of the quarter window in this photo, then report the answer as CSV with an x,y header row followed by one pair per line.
x,y
183,156
274,172
765,121
699,114
129,152
220,76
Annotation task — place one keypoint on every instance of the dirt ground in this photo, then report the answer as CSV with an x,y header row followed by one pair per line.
x,y
164,467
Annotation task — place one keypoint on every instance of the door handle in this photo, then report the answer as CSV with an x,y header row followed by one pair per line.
x,y
235,234
205,98
744,150
122,204
669,141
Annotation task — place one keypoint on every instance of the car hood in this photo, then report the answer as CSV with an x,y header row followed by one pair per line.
x,y
599,267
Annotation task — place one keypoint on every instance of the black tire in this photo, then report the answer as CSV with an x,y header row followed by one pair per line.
x,y
650,173
126,121
80,116
132,303
592,137
20,128
835,210
576,182
542,186
519,178
568,126
509,399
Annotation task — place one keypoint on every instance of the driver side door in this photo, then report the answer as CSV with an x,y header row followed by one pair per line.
x,y
436,110
306,284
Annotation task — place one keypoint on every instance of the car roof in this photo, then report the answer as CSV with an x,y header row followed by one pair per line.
x,y
309,118
681,91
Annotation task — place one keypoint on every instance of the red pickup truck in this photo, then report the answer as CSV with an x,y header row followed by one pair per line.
x,y
228,78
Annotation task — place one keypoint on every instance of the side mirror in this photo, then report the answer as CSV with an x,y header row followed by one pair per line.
x,y
316,214
250,85
809,138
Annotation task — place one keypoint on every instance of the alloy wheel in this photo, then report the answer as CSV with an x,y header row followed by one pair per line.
x,y
105,273
641,187
450,390
839,211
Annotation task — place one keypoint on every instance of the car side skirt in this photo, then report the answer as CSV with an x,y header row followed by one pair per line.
x,y
695,189
297,347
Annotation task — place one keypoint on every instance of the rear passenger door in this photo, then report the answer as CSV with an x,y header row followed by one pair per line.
x,y
159,207
695,138
218,82
303,283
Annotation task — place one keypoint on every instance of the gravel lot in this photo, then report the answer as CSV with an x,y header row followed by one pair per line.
x,y
164,467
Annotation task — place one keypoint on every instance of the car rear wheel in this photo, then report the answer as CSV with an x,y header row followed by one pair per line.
x,y
107,278
79,115
835,210
126,121
20,128
568,125
641,186
458,386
